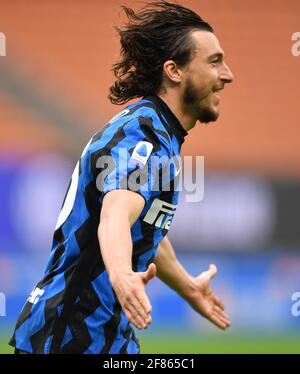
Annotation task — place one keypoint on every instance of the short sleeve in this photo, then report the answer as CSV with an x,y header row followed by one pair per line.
x,y
136,160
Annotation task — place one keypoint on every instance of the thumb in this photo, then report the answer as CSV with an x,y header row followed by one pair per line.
x,y
149,273
212,271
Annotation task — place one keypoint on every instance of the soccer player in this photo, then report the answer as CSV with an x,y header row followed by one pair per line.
x,y
111,234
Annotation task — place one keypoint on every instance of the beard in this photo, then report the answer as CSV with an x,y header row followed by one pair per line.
x,y
192,99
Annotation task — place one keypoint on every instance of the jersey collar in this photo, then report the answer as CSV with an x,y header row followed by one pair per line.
x,y
173,125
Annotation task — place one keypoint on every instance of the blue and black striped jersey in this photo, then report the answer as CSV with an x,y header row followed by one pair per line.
x,y
74,309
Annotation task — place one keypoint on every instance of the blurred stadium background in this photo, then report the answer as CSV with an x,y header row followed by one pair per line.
x,y
53,86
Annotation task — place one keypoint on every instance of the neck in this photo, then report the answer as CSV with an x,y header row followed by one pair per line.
x,y
172,100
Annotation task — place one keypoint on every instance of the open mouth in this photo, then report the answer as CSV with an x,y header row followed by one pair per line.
x,y
218,89
217,94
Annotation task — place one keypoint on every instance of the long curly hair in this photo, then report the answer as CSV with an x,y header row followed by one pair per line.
x,y
158,32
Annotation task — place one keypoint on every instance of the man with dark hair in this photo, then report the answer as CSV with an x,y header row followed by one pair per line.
x,y
110,238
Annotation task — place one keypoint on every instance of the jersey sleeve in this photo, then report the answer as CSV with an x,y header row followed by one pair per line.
x,y
135,161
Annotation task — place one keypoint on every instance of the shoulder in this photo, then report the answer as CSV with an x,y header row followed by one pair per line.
x,y
141,120
137,122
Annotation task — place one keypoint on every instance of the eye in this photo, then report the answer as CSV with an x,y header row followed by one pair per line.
x,y
214,63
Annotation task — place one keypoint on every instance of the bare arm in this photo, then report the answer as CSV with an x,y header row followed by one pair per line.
x,y
170,270
195,290
120,209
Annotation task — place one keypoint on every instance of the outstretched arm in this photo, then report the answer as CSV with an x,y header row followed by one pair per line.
x,y
195,290
120,209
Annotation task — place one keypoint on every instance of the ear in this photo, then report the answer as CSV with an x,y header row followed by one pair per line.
x,y
172,71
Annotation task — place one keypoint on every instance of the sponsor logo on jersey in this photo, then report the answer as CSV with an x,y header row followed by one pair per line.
x,y
35,295
160,214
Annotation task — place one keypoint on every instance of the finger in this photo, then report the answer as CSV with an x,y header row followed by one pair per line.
x,y
132,305
150,273
145,303
217,301
223,317
137,320
143,307
218,322
221,312
138,311
133,319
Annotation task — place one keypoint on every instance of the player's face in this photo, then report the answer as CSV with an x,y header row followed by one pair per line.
x,y
204,76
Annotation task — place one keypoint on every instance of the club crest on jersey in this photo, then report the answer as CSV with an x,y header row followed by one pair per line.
x,y
141,153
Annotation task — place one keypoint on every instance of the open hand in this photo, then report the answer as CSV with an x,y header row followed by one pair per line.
x,y
204,300
131,293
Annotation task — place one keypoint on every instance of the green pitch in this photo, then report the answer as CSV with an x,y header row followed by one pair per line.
x,y
154,343
220,344
4,347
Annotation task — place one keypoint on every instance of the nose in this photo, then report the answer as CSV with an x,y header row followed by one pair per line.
x,y
226,74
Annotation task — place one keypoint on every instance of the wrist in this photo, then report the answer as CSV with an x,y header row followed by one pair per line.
x,y
116,276
189,288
